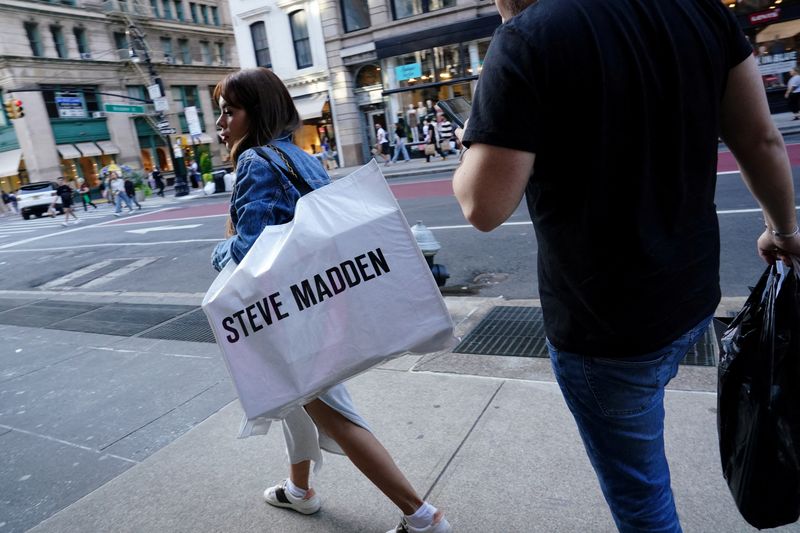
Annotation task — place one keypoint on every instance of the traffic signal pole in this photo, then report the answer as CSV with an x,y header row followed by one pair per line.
x,y
137,41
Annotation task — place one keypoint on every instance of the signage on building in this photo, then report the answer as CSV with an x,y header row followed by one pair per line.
x,y
192,120
406,72
765,16
70,105
777,63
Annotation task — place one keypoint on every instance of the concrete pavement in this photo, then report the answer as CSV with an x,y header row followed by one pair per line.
x,y
486,438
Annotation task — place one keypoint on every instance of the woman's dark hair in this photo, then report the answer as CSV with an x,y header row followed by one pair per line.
x,y
269,107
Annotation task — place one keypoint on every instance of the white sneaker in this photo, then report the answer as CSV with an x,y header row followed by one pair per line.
x,y
440,526
63,223
278,496
77,221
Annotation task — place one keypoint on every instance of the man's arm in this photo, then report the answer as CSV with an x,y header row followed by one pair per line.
x,y
490,182
748,130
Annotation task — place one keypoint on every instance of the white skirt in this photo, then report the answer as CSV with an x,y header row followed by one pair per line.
x,y
304,441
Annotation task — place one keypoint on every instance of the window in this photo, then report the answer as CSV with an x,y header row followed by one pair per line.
x,y
204,11
355,14
408,8
185,95
83,44
193,11
167,10
121,44
220,48
166,47
58,41
186,53
179,9
154,8
258,31
205,52
302,47
32,30
215,15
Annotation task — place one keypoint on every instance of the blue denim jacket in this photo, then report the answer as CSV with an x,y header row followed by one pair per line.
x,y
264,197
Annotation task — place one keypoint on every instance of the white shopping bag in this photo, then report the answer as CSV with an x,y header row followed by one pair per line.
x,y
341,288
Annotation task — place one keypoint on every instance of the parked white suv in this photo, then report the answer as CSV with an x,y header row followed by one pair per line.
x,y
36,198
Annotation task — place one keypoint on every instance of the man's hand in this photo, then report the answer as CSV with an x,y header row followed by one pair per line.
x,y
772,248
459,132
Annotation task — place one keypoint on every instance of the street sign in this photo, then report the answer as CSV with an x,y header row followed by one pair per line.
x,y
168,131
192,120
154,91
162,124
124,108
161,103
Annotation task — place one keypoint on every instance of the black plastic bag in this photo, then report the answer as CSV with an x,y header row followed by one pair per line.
x,y
758,402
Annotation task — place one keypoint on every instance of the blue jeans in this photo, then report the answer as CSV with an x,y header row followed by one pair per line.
x,y
400,147
118,199
618,405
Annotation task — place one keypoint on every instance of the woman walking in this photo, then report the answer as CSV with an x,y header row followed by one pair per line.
x,y
257,120
84,191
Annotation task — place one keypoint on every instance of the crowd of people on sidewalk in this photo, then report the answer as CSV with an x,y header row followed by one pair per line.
x,y
432,134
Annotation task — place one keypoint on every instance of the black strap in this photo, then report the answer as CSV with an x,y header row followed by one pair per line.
x,y
299,183
280,495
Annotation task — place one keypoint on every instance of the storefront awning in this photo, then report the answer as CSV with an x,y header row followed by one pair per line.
x,y
108,147
89,149
779,30
9,163
68,151
310,106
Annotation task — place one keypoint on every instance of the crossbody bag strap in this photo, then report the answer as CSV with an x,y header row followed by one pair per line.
x,y
299,183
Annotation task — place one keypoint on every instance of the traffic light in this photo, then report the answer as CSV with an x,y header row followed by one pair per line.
x,y
14,109
10,109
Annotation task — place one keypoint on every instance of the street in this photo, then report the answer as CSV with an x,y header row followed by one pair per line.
x,y
166,246
109,408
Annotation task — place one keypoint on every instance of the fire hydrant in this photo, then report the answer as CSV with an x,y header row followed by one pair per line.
x,y
429,246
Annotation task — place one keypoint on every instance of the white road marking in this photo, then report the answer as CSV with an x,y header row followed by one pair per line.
x,y
127,269
63,280
142,231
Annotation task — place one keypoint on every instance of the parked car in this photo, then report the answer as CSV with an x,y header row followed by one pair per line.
x,y
36,198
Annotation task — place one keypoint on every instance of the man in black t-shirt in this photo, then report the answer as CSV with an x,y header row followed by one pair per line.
x,y
627,233
64,192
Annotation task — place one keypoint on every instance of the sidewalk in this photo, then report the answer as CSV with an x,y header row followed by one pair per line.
x,y
486,438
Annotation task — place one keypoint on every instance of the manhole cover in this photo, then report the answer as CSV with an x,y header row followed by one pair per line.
x,y
519,332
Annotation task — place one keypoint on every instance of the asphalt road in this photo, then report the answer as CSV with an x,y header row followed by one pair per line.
x,y
166,246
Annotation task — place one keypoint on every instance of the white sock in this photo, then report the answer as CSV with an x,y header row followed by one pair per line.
x,y
423,517
294,490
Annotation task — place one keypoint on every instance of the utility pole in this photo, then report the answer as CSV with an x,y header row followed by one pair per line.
x,y
137,42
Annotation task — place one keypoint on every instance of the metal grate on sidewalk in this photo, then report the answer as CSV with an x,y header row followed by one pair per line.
x,y
519,332
192,327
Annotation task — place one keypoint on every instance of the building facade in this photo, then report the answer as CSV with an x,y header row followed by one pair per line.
x,y
391,60
86,85
286,36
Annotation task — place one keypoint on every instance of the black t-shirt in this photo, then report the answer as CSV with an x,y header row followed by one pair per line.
x,y
619,101
65,192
